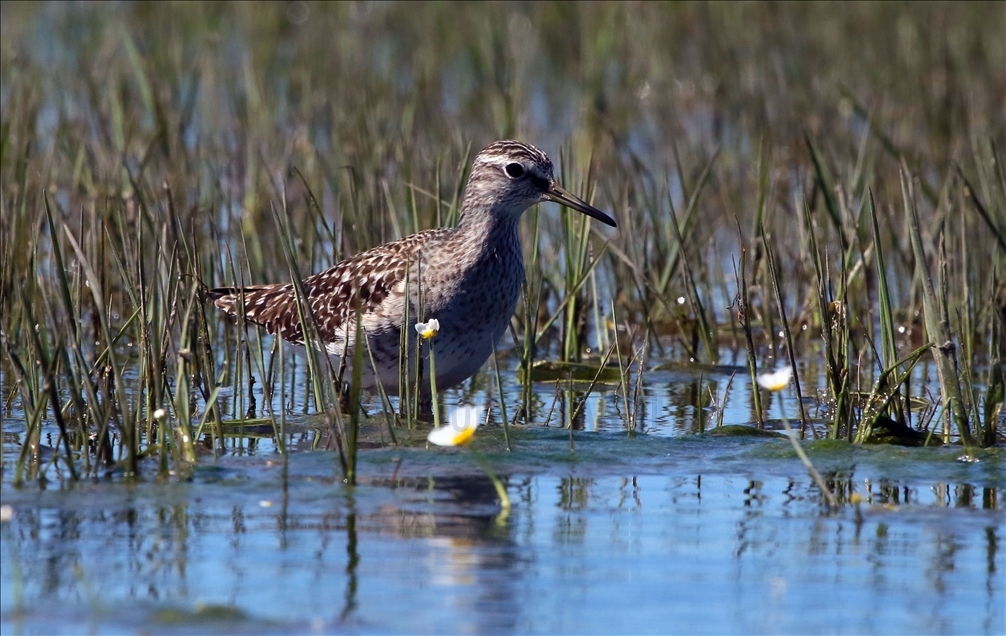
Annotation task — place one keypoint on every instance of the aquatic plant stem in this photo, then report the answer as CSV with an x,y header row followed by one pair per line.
x,y
936,316
773,274
806,460
483,463
433,388
499,392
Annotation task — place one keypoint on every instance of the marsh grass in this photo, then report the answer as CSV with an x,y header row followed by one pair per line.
x,y
151,151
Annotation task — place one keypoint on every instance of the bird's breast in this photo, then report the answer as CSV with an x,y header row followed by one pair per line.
x,y
480,284
472,294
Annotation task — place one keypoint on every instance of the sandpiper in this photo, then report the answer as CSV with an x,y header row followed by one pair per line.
x,y
467,277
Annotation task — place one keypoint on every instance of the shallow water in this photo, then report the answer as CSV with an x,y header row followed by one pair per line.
x,y
690,534
673,528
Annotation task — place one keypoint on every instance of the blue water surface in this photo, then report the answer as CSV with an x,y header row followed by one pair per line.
x,y
649,534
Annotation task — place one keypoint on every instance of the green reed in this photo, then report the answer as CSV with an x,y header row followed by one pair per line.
x,y
149,153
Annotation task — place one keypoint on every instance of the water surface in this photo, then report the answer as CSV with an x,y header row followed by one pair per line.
x,y
648,534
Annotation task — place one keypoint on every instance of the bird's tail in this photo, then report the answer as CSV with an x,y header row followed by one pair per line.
x,y
259,301
226,298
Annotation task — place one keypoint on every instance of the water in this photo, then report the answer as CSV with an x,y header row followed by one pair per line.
x,y
686,534
673,530
677,528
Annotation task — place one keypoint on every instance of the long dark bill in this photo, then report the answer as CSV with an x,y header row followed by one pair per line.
x,y
562,196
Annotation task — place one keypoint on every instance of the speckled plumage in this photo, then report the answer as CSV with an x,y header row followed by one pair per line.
x,y
469,277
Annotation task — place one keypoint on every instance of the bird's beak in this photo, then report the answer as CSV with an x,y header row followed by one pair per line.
x,y
560,195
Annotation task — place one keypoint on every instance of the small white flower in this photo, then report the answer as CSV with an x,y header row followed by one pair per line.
x,y
461,429
777,380
427,330
159,414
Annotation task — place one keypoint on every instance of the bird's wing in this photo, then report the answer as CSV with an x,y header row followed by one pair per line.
x,y
367,278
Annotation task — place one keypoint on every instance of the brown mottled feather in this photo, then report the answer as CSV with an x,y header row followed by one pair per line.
x,y
332,293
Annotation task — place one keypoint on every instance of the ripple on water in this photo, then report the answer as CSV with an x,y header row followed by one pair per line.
x,y
651,534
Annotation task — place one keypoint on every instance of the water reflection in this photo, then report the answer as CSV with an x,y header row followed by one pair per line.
x,y
423,547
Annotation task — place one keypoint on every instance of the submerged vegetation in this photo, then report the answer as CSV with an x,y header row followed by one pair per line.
x,y
825,191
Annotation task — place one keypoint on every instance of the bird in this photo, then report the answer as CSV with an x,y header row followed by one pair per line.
x,y
467,277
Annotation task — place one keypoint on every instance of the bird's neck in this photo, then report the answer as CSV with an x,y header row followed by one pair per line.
x,y
486,224
489,240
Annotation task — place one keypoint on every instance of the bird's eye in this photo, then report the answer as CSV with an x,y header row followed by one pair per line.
x,y
514,170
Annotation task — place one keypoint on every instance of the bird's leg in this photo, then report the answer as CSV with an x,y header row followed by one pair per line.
x,y
425,407
345,402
